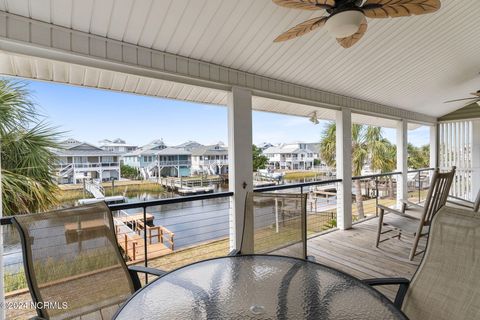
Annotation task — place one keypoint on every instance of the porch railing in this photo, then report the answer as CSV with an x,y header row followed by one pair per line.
x,y
185,229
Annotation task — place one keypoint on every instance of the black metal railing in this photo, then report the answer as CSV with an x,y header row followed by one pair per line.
x,y
418,186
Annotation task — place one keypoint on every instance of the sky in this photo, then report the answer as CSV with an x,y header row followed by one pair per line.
x,y
92,115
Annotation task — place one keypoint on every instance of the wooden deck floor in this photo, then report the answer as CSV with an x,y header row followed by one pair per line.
x,y
353,251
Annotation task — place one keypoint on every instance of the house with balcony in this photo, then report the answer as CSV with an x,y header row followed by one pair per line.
x,y
81,160
291,156
117,145
144,155
211,159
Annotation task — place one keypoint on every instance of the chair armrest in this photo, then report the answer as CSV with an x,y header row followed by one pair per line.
x,y
412,204
135,270
461,203
388,209
152,271
234,252
401,282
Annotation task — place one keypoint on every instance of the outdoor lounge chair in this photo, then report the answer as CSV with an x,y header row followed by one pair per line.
x,y
447,281
415,219
72,261
279,224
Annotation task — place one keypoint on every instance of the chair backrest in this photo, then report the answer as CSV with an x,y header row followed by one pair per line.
x,y
437,193
278,224
448,279
71,257
476,205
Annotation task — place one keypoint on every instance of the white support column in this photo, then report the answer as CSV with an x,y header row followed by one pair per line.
x,y
433,146
240,173
344,168
402,159
475,159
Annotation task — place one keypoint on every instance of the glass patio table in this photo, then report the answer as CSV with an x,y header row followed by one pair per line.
x,y
257,287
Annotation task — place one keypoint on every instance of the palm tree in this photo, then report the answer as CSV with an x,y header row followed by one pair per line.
x,y
27,160
368,144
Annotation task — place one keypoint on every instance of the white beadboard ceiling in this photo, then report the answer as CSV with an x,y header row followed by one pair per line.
x,y
67,73
414,63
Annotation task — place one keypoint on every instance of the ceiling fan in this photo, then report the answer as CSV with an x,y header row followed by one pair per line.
x,y
346,19
474,99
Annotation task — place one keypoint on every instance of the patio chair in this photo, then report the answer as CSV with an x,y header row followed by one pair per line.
x,y
413,218
476,205
446,283
279,224
72,260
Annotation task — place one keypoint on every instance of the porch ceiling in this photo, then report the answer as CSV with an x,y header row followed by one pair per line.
x,y
67,73
412,63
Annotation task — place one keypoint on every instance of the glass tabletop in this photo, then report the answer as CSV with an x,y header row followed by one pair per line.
x,y
257,287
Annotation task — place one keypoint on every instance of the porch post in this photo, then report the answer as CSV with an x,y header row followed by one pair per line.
x,y
240,173
433,146
344,168
475,159
402,158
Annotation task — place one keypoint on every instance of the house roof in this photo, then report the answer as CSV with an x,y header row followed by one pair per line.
x,y
72,147
287,148
211,150
172,151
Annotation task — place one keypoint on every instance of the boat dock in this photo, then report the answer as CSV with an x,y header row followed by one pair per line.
x,y
190,186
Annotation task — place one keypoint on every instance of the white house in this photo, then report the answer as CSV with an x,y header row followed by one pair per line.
x,y
211,159
80,160
117,145
292,156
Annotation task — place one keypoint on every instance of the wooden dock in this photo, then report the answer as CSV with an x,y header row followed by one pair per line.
x,y
131,218
160,240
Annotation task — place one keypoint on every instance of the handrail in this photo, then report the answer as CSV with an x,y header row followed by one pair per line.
x,y
420,170
296,185
377,175
159,202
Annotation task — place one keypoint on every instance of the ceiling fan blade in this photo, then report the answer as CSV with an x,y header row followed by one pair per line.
x,y
301,29
399,8
456,100
354,38
306,4
476,93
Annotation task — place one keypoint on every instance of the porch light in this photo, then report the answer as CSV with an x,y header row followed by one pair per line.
x,y
345,23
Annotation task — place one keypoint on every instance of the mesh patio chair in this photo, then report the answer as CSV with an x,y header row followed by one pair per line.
x,y
476,205
71,258
414,219
279,224
446,283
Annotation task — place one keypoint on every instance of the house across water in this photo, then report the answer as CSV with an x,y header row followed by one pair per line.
x,y
292,156
81,160
156,159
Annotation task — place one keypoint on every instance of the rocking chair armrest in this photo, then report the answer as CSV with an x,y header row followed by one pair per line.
x,y
412,204
402,289
388,209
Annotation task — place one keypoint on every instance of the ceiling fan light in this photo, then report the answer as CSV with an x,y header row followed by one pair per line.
x,y
345,23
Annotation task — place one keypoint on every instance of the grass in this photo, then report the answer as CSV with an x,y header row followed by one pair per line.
x,y
295,175
52,269
70,195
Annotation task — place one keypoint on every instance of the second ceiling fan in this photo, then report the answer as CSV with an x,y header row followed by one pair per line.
x,y
346,19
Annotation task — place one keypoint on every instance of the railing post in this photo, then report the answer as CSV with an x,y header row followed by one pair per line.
x,y
344,167
376,196
240,166
145,251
